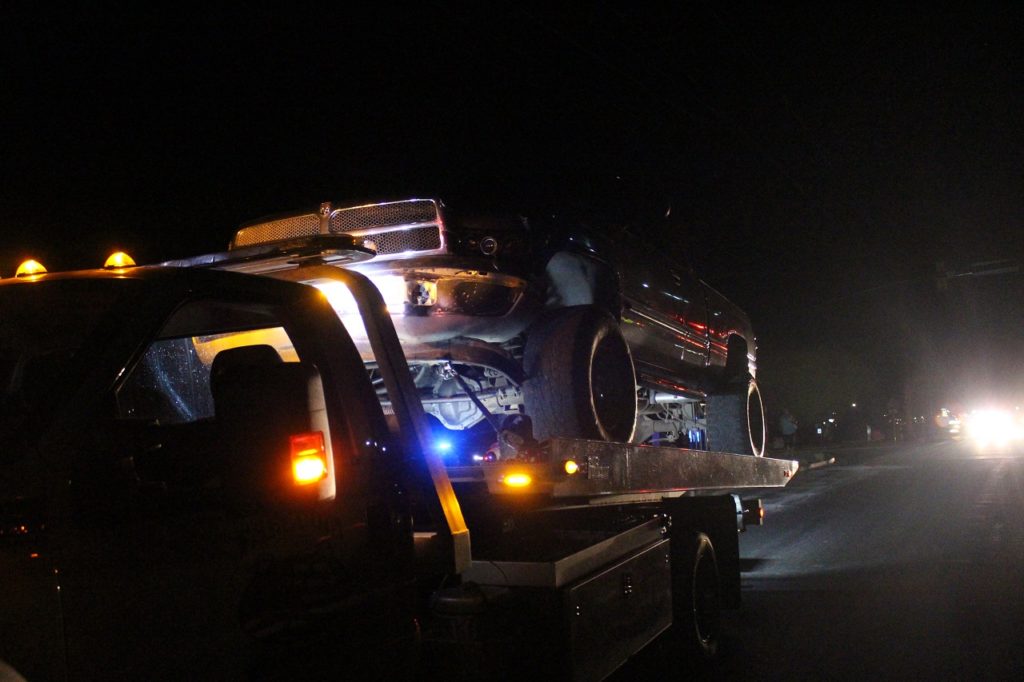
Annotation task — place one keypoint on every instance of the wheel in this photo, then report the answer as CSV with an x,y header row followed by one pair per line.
x,y
735,419
579,373
697,597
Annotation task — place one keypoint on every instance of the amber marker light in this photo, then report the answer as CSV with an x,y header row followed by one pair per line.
x,y
517,480
571,467
29,268
309,458
119,259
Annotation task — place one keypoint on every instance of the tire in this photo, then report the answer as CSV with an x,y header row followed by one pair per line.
x,y
735,420
697,599
580,381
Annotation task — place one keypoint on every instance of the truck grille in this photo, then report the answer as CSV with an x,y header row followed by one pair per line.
x,y
295,226
416,239
392,214
395,227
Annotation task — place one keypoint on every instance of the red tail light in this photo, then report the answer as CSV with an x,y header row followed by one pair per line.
x,y
309,458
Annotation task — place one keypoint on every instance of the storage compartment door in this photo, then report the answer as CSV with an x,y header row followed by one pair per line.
x,y
615,613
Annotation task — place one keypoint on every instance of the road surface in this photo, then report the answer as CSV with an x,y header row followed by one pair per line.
x,y
900,562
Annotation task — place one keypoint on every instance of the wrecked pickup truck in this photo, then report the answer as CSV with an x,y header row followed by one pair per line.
x,y
585,332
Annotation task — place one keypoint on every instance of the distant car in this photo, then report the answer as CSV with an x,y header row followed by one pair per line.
x,y
993,426
603,335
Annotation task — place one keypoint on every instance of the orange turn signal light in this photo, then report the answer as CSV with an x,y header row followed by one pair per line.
x,y
309,458
517,480
571,467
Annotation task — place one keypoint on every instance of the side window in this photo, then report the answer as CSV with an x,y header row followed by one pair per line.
x,y
171,382
170,385
166,420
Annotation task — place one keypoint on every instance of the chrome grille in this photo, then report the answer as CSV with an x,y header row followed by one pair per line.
x,y
296,226
415,225
396,227
414,239
390,214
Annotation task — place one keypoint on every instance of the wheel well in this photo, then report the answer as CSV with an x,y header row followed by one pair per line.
x,y
574,279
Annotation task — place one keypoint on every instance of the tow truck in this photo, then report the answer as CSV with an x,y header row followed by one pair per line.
x,y
199,479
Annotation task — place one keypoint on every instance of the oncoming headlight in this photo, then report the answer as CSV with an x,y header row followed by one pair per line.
x,y
994,427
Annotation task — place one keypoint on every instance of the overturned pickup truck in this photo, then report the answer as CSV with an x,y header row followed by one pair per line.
x,y
586,334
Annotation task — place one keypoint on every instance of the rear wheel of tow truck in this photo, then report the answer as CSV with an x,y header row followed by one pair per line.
x,y
580,381
735,419
696,592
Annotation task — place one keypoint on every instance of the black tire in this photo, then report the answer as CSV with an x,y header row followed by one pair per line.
x,y
697,597
580,381
735,420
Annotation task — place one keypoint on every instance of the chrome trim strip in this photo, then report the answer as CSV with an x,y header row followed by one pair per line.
x,y
686,333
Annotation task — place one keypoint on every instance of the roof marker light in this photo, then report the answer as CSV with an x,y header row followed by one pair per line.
x,y
119,259
29,268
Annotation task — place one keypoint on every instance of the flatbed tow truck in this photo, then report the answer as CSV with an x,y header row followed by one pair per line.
x,y
582,552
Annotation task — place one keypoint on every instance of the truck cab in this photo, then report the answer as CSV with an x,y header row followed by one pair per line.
x,y
193,462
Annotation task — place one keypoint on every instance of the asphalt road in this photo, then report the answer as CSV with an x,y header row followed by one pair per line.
x,y
901,562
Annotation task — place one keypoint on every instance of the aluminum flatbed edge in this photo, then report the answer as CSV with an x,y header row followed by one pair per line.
x,y
614,473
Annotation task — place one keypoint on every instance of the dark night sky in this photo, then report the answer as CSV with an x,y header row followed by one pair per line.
x,y
820,162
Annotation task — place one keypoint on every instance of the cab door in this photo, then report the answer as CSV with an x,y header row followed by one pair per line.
x,y
31,639
689,306
175,565
664,315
